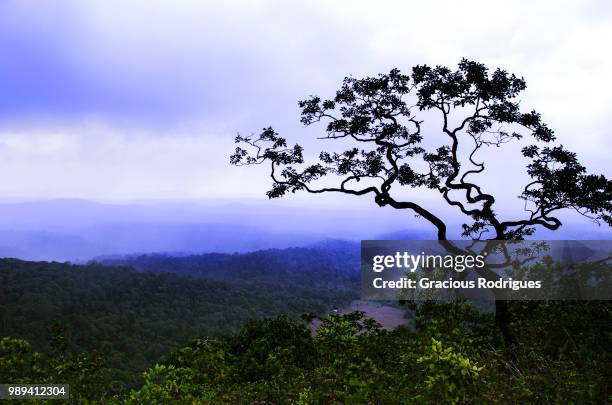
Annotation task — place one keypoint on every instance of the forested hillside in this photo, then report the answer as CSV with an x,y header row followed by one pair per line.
x,y
322,264
217,329
135,318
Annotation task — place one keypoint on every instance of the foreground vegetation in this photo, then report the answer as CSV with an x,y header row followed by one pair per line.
x,y
455,355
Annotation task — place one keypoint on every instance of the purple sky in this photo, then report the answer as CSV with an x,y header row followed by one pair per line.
x,y
115,100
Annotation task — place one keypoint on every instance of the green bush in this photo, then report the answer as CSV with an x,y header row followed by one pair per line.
x,y
454,355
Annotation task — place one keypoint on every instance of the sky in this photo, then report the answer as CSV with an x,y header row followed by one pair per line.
x,y
112,100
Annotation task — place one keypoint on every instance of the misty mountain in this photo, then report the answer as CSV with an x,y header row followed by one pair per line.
x,y
353,219
45,245
130,238
79,230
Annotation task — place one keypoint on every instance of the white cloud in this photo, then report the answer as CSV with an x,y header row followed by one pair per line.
x,y
105,163
217,68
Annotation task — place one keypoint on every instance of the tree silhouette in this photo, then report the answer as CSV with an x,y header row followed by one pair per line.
x,y
476,110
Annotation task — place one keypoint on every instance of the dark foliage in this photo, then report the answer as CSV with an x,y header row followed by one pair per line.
x,y
562,356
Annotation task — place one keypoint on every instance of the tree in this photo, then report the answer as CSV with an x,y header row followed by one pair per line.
x,y
476,109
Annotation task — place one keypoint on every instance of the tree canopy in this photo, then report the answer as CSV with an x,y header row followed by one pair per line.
x,y
476,109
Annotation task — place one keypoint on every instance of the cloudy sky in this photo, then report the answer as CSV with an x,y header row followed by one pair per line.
x,y
123,100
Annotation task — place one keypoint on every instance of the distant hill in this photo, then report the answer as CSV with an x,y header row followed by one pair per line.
x,y
132,238
324,261
79,230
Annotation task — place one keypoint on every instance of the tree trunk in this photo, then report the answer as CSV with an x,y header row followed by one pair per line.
x,y
502,320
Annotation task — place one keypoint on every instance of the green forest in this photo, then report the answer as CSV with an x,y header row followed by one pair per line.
x,y
230,332
135,317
